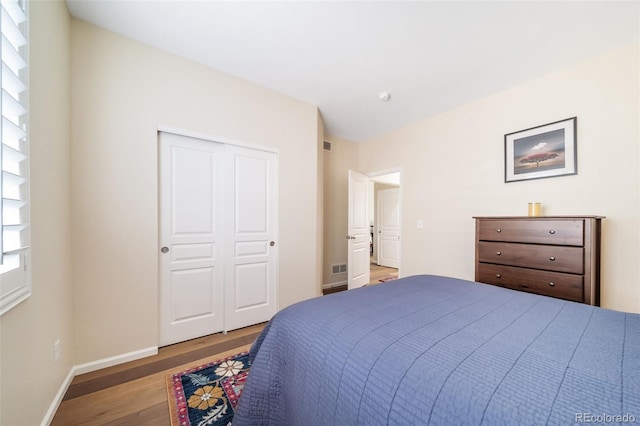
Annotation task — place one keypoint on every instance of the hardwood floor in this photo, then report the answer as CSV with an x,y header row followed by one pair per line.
x,y
379,272
134,393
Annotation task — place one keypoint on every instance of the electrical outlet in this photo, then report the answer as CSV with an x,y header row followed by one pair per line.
x,y
56,351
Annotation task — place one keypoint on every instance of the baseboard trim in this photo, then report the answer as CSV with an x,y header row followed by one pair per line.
x,y
114,360
53,408
88,367
331,285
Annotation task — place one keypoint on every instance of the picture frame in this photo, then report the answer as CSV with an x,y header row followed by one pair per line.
x,y
545,151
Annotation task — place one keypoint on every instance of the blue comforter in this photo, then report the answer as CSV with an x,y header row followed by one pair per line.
x,y
442,351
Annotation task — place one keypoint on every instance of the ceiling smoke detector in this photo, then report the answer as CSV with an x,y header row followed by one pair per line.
x,y
384,96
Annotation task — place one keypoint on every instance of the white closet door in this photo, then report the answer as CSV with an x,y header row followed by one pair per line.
x,y
250,234
191,275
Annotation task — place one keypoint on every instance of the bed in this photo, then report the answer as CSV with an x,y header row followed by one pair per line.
x,y
436,350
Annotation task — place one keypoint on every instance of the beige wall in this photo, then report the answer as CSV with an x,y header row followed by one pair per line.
x,y
452,169
337,163
122,91
30,378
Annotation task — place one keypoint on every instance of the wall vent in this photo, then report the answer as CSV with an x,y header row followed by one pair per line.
x,y
339,269
327,146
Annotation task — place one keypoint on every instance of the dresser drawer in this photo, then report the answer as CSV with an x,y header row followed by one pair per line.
x,y
560,232
555,284
551,258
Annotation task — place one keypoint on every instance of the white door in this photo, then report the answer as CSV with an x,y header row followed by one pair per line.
x,y
358,235
389,228
191,280
250,272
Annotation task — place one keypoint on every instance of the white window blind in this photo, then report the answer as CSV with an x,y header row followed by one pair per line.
x,y
15,282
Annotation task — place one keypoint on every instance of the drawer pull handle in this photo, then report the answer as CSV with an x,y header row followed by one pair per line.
x,y
498,253
498,276
552,258
551,284
498,230
552,232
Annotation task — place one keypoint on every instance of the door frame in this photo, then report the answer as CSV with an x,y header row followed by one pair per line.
x,y
225,141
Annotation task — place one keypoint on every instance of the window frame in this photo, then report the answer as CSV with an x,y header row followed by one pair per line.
x,y
15,270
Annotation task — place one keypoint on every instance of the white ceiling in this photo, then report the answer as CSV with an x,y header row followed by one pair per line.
x,y
431,56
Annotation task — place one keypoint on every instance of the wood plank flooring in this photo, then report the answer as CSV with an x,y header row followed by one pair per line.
x,y
134,393
378,272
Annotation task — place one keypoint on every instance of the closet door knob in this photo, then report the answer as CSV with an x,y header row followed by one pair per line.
x,y
272,243
164,249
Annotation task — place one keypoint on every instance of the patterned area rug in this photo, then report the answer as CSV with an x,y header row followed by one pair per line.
x,y
389,278
208,394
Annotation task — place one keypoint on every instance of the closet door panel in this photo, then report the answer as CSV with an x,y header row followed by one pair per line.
x,y
191,269
251,195
251,256
252,285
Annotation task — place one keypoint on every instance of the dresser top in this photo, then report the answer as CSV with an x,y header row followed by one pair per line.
x,y
540,217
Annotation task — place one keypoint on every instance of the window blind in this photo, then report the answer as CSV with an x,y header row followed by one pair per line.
x,y
14,277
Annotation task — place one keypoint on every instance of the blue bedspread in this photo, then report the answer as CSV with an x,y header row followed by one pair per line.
x,y
443,351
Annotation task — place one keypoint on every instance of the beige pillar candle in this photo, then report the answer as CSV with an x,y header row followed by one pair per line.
x,y
534,209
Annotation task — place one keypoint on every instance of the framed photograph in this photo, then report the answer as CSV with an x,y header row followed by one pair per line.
x,y
541,152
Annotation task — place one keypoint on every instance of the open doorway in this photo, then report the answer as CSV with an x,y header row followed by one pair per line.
x,y
385,220
370,244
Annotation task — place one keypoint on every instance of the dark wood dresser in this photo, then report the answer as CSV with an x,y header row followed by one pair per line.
x,y
556,256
